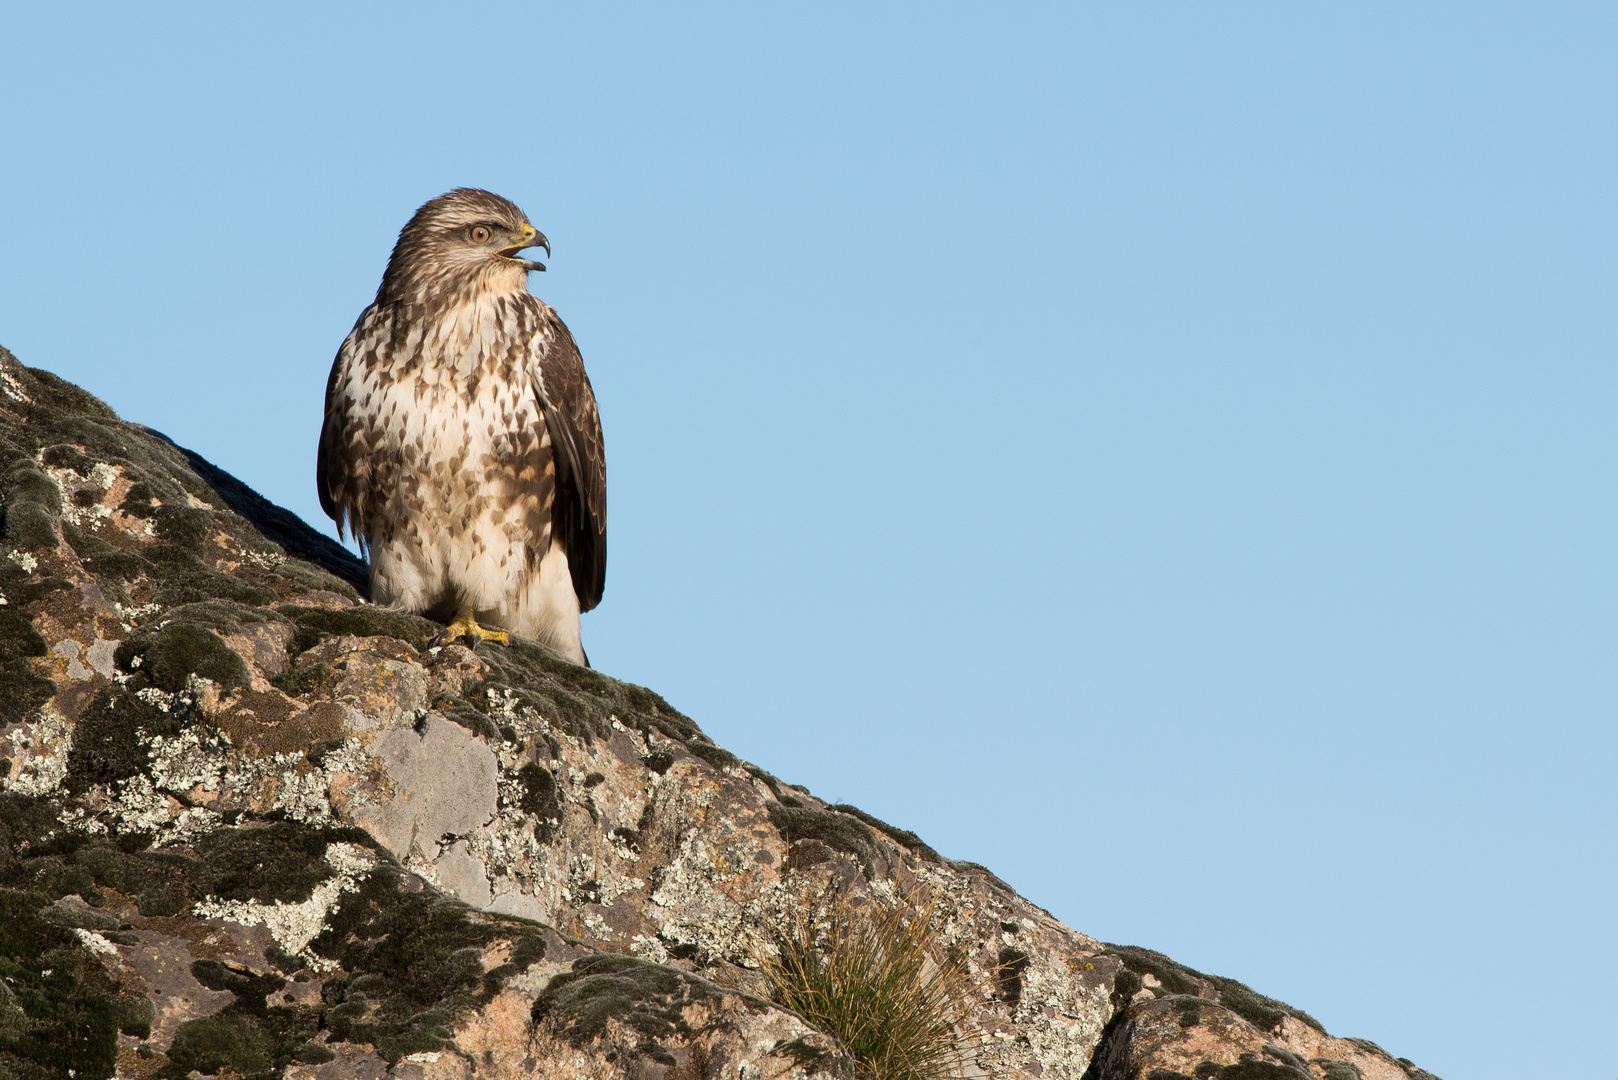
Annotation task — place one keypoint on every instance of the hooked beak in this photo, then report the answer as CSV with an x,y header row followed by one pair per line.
x,y
531,237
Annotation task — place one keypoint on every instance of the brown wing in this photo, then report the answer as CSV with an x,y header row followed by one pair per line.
x,y
579,515
335,467
331,469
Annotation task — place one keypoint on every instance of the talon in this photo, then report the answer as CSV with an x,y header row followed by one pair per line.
x,y
465,627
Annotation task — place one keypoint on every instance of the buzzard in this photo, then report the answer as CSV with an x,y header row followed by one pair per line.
x,y
461,445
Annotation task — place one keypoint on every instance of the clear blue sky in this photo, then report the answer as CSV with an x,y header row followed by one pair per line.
x,y
1164,452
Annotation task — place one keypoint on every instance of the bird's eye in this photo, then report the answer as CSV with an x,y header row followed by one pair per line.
x,y
481,234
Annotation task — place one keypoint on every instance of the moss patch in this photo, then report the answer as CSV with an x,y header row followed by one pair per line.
x,y
365,620
111,737
903,837
837,831
540,801
170,655
414,963
281,861
59,1009
646,998
248,1037
22,690
1008,975
577,700
1262,1012
1251,1067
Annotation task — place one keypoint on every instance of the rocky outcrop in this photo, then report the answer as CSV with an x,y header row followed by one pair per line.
x,y
253,826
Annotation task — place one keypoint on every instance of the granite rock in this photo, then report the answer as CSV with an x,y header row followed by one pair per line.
x,y
253,826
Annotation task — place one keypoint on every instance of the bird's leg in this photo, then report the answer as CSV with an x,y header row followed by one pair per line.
x,y
464,626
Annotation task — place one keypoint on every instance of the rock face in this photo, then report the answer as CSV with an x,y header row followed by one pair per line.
x,y
252,826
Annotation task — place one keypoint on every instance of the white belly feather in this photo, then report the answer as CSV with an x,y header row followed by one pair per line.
x,y
458,526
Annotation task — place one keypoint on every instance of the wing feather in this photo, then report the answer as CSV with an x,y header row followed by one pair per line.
x,y
568,403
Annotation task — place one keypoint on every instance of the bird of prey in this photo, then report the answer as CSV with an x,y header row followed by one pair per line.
x,y
461,445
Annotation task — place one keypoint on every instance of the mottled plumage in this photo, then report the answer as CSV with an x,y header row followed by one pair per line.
x,y
461,443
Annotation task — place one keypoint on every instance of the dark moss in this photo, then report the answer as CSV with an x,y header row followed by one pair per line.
x,y
139,501
111,737
539,800
298,682
1008,975
22,690
1167,1074
1189,1010
591,779
363,620
185,527
579,701
901,836
73,916
717,756
414,961
1251,1067
472,715
170,655
162,900
837,831
181,577
59,1013
52,393
133,1013
1332,1069
67,456
646,998
229,1039
283,528
224,616
658,761
279,861
311,1053
33,505
1260,1011
1125,985
1286,1057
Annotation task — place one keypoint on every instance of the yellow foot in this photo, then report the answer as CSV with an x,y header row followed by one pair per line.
x,y
465,628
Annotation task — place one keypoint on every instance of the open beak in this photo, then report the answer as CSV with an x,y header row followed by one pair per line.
x,y
531,238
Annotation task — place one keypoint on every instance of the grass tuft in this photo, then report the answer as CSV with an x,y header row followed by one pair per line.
x,y
876,978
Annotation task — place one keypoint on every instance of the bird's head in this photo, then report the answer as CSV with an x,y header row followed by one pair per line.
x,y
466,239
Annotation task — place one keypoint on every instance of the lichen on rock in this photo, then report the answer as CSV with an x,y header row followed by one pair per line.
x,y
253,826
